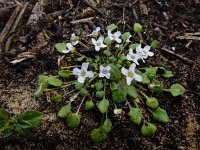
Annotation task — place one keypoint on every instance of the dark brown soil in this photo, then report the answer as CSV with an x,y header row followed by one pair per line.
x,y
162,22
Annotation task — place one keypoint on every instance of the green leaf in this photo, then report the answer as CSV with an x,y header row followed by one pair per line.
x,y
111,27
4,117
160,115
135,115
88,105
122,58
125,36
98,135
152,102
107,126
113,86
177,89
133,46
132,92
119,96
112,59
57,98
103,105
115,73
100,94
83,92
39,90
156,86
107,41
42,79
145,79
137,28
107,53
99,86
151,72
81,58
64,111
148,129
78,85
31,118
64,73
54,81
168,74
154,44
60,47
73,120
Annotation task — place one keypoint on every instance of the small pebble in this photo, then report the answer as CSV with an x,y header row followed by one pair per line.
x,y
173,48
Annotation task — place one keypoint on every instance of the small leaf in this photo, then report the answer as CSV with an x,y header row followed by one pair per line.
x,y
54,81
83,92
168,74
60,47
125,36
107,53
135,115
119,96
177,89
112,59
57,98
42,79
122,58
88,105
107,126
40,90
132,92
99,86
148,129
160,115
100,94
64,73
152,102
4,117
145,79
137,28
115,73
64,111
111,27
154,44
133,46
31,118
98,135
73,120
81,58
156,86
103,105
107,41
113,86
78,85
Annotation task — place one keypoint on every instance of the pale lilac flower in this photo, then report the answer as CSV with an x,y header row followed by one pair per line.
x,y
95,33
105,72
133,56
98,43
130,74
144,51
115,36
70,47
74,39
83,73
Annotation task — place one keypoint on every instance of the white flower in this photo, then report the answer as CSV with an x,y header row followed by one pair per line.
x,y
144,51
117,111
95,32
114,36
133,56
105,72
83,73
130,74
70,47
99,43
74,39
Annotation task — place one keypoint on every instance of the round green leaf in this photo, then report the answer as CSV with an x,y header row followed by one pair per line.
x,y
64,73
132,92
160,115
125,36
60,47
73,120
98,135
152,102
99,86
54,81
107,126
154,44
115,73
100,94
83,92
111,27
133,46
137,28
89,105
4,117
64,111
177,89
78,85
135,115
103,105
148,129
119,96
57,98
113,86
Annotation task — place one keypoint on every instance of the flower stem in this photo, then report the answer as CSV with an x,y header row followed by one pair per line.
x,y
69,67
64,86
80,104
83,44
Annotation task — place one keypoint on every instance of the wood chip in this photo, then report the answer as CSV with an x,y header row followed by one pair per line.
x,y
143,8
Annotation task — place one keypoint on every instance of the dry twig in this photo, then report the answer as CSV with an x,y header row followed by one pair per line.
x,y
82,20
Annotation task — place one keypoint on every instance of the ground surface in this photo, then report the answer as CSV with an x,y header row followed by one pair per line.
x,y
162,22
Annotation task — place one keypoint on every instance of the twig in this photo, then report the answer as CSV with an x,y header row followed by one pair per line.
x,y
135,14
9,24
181,57
15,26
188,37
160,26
93,7
18,3
82,20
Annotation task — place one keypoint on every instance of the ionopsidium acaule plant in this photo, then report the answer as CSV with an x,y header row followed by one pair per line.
x,y
109,79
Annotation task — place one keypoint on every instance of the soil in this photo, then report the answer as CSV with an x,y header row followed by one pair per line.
x,y
162,21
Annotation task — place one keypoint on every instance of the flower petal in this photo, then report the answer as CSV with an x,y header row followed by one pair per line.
x,y
128,57
97,48
103,45
147,48
117,34
74,42
107,75
76,71
139,49
150,54
69,46
100,40
108,68
118,40
124,71
129,80
109,33
97,29
94,42
101,68
65,51
101,75
81,79
84,66
89,74
137,77
132,67
131,51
